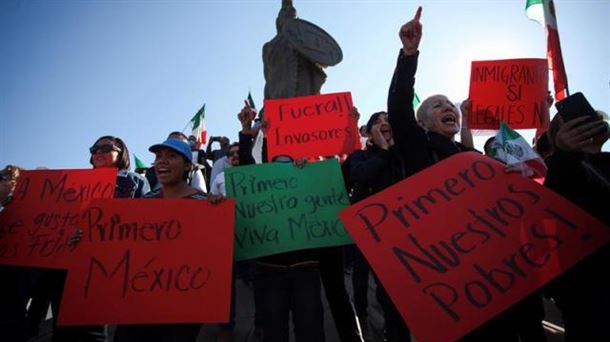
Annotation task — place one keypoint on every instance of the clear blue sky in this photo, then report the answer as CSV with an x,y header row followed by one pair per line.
x,y
71,71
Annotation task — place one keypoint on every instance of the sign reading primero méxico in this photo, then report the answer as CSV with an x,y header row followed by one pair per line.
x,y
151,261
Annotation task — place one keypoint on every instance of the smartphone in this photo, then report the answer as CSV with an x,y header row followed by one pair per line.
x,y
574,106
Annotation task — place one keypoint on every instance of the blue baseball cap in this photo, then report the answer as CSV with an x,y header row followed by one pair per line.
x,y
177,145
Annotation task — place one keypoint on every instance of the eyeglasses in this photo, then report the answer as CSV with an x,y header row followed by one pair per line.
x,y
234,153
103,148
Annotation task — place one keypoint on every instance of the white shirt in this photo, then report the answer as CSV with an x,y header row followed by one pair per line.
x,y
218,185
257,148
197,181
219,166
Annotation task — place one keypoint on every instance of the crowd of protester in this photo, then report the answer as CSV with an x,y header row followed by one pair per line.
x,y
398,144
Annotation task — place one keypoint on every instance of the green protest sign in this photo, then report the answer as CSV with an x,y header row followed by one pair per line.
x,y
281,208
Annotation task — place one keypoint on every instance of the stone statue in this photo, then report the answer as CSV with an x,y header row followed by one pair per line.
x,y
294,59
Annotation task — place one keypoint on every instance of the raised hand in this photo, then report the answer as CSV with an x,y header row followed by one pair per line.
x,y
410,34
465,109
578,133
246,116
355,113
378,139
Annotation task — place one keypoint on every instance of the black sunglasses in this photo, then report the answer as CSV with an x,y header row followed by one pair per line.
x,y
103,148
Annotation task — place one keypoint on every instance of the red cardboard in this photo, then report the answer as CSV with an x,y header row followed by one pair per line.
x,y
459,242
511,90
311,126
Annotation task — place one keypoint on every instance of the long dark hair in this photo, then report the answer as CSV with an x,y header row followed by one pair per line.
x,y
123,162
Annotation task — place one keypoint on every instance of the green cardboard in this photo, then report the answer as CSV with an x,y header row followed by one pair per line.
x,y
281,208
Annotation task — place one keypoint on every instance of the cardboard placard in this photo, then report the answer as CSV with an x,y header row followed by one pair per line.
x,y
151,261
281,208
311,126
44,211
461,241
511,90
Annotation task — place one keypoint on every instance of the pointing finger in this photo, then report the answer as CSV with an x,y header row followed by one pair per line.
x,y
418,14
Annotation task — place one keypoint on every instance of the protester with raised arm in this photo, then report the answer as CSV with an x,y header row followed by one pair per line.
x,y
371,171
428,138
214,155
287,285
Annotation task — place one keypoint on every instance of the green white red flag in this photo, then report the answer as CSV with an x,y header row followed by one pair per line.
x,y
416,101
251,102
543,11
199,130
139,164
511,148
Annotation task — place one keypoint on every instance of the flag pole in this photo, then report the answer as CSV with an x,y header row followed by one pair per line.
x,y
187,124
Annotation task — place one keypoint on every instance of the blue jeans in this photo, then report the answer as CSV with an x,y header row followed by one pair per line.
x,y
291,290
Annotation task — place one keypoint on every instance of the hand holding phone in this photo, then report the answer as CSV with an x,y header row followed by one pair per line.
x,y
574,106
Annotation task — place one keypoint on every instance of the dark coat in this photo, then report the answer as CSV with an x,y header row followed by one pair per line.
x,y
582,291
418,148
373,170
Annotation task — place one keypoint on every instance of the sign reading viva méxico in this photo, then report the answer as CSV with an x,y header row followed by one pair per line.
x,y
513,90
461,241
311,126
151,261
282,208
45,210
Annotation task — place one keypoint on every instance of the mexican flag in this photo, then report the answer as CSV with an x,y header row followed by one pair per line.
x,y
199,130
511,148
257,147
251,102
139,164
416,101
543,11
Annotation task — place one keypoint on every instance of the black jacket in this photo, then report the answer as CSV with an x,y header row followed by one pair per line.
x,y
418,147
373,170
583,179
582,291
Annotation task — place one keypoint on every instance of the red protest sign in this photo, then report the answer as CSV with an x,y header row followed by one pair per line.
x,y
513,90
151,261
461,241
311,126
44,211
